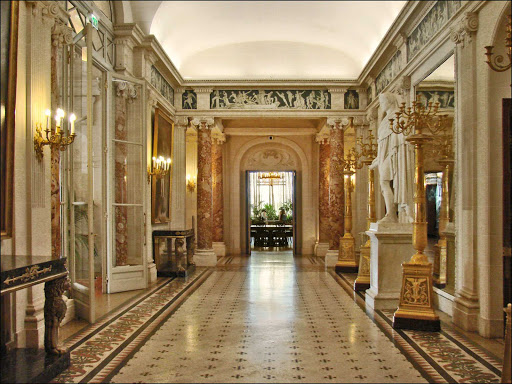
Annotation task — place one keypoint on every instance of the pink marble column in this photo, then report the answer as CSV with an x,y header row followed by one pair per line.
x,y
218,198
336,185
204,186
323,191
120,169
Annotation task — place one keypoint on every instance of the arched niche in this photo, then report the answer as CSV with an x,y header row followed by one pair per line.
x,y
280,154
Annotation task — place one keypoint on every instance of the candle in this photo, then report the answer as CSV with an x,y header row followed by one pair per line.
x,y
168,163
48,113
72,119
154,163
58,119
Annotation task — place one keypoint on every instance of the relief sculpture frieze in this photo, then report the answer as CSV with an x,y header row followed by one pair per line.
x,y
270,99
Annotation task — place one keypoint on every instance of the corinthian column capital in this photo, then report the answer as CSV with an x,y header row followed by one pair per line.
x,y
203,122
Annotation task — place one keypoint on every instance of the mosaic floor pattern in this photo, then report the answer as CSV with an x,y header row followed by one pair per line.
x,y
270,317
272,320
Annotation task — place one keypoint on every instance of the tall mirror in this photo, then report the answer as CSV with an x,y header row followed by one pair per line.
x,y
439,87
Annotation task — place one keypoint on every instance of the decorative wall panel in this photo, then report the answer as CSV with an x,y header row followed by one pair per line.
x,y
270,99
446,99
189,100
351,99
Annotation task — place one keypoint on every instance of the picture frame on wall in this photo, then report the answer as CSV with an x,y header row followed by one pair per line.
x,y
163,145
8,53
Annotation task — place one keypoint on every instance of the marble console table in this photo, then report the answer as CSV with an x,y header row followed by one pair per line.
x,y
20,272
177,264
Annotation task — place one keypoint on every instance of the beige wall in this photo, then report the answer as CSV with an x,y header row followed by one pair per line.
x,y
303,150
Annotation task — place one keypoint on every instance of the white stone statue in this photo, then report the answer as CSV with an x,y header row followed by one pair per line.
x,y
395,161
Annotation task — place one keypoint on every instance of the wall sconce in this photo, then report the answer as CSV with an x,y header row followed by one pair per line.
x,y
55,139
498,63
160,168
191,183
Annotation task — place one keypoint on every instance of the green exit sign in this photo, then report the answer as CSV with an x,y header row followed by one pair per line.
x,y
94,20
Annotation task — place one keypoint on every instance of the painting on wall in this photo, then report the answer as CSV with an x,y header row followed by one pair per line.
x,y
446,99
161,85
270,99
9,53
189,100
163,133
351,99
433,22
390,71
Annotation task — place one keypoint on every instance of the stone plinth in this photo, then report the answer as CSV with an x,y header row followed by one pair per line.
x,y
391,245
331,257
219,248
321,249
205,257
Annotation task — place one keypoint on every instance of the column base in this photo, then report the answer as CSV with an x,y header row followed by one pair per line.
x,y
219,248
416,310
205,258
152,273
379,300
465,312
331,257
321,249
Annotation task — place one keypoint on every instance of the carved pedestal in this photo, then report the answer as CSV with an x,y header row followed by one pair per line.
x,y
391,245
416,310
362,282
347,255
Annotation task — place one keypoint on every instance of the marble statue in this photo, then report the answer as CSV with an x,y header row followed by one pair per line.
x,y
395,162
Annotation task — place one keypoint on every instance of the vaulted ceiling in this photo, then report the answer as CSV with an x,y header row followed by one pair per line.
x,y
241,40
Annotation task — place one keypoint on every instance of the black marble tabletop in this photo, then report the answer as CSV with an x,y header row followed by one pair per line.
x,y
18,272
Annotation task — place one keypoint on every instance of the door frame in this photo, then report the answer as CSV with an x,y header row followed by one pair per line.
x,y
112,283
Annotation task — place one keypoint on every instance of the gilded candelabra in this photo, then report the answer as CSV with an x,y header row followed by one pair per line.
x,y
55,139
368,150
415,309
160,168
347,261
496,63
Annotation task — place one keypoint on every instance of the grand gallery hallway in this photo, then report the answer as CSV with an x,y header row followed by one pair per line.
x,y
271,317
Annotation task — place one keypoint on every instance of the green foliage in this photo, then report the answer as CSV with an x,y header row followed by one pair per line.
x,y
287,207
256,211
271,212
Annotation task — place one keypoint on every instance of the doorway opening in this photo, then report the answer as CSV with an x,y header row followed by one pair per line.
x,y
271,211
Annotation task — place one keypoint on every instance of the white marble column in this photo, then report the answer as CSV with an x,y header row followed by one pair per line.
x,y
205,254
466,305
179,175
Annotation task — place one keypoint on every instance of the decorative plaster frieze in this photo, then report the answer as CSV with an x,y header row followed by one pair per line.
x,y
464,31
337,90
372,115
218,137
322,137
203,90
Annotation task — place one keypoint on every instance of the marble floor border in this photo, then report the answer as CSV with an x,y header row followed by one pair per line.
x,y
78,338
479,364
111,339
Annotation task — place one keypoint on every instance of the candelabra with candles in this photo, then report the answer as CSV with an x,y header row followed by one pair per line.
x,y
347,261
191,183
368,150
160,168
496,63
54,138
415,309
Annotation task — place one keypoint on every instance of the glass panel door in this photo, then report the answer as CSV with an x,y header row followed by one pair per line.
x,y
84,247
126,263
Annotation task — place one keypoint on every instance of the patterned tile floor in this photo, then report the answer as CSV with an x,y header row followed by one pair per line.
x,y
268,318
